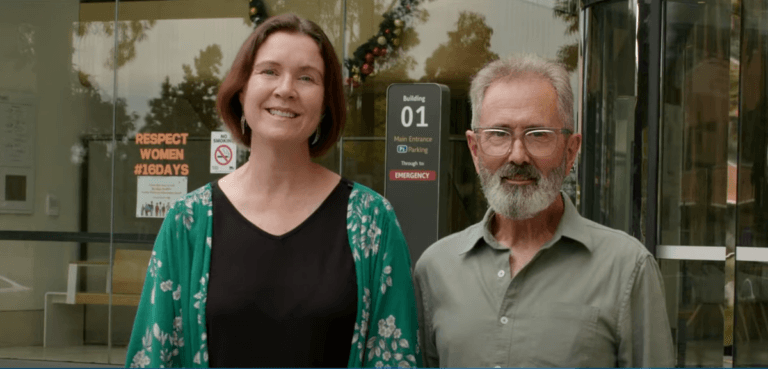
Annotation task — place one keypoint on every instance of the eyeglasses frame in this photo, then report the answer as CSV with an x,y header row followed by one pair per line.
x,y
564,131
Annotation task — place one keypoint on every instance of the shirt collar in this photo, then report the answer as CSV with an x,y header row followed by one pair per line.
x,y
572,225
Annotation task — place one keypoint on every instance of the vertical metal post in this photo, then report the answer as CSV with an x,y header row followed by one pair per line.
x,y
732,210
646,140
112,185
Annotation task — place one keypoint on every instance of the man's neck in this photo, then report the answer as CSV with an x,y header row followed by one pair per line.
x,y
529,234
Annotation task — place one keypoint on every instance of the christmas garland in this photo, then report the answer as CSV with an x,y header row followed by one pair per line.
x,y
385,43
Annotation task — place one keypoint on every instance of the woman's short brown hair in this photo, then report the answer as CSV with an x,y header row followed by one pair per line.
x,y
228,100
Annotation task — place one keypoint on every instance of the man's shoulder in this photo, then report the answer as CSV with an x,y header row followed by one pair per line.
x,y
605,239
448,248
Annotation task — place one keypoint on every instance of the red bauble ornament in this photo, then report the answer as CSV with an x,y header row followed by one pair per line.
x,y
386,31
366,69
383,51
348,81
369,58
377,51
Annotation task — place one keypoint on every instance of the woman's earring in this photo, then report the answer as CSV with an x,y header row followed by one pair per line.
x,y
317,136
242,123
317,131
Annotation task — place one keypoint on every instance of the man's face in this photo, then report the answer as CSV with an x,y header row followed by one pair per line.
x,y
519,185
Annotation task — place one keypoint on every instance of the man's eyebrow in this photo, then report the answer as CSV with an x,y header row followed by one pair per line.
x,y
525,127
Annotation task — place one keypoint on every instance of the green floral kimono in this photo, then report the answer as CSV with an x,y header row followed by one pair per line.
x,y
169,330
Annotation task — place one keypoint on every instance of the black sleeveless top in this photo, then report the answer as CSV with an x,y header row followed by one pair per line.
x,y
281,301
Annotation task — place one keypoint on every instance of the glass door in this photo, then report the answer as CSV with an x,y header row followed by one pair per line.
x,y
712,180
697,160
751,278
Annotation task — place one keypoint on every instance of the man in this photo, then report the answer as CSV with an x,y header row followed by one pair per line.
x,y
534,283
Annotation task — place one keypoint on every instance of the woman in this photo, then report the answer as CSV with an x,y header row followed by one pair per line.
x,y
281,262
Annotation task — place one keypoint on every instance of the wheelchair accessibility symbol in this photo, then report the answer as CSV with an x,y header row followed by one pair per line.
x,y
402,149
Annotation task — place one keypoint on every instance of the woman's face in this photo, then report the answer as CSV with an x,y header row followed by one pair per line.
x,y
283,99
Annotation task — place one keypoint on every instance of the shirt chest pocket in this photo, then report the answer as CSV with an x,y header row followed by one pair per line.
x,y
558,335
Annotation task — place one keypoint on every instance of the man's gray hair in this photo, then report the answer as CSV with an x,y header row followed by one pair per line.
x,y
521,66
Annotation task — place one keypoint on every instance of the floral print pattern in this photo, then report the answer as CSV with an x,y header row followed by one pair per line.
x,y
385,333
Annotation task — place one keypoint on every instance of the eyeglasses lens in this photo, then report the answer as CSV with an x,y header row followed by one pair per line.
x,y
539,142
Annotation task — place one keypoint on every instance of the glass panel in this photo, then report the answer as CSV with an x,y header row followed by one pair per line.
x,y
696,308
752,276
50,101
57,71
363,162
466,199
172,60
695,207
696,124
444,41
609,114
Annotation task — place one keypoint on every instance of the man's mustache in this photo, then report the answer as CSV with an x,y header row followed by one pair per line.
x,y
526,171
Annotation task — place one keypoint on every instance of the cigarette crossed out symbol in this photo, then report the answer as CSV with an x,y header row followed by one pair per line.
x,y
223,155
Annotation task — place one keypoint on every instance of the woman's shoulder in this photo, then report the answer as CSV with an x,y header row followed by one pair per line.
x,y
194,205
366,197
199,197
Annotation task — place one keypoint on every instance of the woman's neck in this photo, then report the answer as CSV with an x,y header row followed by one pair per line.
x,y
275,171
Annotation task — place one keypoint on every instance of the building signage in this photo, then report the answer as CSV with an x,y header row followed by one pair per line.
x,y
416,160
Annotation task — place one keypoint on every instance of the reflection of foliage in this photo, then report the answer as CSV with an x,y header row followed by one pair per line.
x,y
129,33
568,11
383,44
189,106
466,52
99,109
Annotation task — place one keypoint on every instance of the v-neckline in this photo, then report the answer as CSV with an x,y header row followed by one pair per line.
x,y
241,217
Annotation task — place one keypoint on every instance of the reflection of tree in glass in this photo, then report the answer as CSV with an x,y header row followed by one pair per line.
x,y
189,106
129,33
97,108
467,50
454,63
568,11
327,14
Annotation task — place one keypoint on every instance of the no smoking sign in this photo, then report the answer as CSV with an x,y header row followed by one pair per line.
x,y
223,153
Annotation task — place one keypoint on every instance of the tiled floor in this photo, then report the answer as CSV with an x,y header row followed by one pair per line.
x,y
73,354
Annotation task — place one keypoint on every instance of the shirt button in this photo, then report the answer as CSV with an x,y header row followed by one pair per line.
x,y
501,273
504,320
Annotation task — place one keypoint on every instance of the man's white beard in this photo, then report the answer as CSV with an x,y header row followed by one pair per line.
x,y
519,202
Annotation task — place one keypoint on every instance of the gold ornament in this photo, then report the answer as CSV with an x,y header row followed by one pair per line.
x,y
356,78
397,31
253,11
382,40
355,69
396,41
398,23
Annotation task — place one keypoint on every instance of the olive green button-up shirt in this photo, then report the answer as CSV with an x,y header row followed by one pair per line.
x,y
591,296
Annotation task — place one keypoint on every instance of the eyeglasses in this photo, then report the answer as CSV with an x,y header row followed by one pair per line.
x,y
539,142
